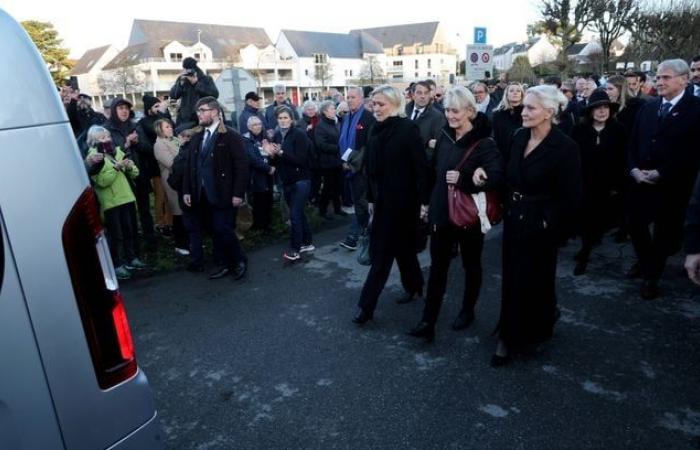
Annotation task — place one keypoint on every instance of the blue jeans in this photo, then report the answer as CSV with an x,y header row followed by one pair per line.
x,y
296,196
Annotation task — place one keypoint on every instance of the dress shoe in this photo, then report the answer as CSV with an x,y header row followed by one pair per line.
x,y
408,297
424,330
240,270
362,316
219,273
500,361
463,320
580,268
649,290
634,272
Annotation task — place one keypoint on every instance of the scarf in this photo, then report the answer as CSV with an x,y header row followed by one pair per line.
x,y
348,130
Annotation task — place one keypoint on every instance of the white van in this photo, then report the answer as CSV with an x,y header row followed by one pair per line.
x,y
68,374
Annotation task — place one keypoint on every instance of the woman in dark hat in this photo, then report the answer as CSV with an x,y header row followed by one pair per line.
x,y
601,140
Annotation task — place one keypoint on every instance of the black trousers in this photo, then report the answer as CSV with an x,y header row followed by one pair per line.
x,y
121,234
331,188
142,192
471,243
411,276
650,206
262,210
180,233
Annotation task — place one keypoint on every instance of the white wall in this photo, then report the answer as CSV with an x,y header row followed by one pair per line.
x,y
441,66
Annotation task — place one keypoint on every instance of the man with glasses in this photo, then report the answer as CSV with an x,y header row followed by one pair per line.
x,y
216,176
663,163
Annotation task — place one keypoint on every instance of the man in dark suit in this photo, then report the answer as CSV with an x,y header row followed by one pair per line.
x,y
428,118
216,176
663,163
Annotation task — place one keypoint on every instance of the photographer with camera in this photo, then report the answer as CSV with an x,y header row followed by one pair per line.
x,y
191,85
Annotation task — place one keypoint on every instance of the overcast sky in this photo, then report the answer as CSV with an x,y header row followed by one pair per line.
x,y
86,24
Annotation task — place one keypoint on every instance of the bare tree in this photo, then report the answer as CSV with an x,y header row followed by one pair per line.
x,y
666,29
323,69
611,19
564,21
122,80
372,72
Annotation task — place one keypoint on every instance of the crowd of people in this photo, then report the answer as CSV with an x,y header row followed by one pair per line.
x,y
556,161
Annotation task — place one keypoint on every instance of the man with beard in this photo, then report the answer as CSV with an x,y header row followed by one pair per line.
x,y
214,184
694,86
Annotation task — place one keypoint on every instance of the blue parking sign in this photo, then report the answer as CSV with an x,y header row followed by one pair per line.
x,y
479,35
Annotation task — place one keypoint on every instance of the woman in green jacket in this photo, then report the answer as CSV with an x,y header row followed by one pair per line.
x,y
117,201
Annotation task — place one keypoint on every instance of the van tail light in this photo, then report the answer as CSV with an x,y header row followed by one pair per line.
x,y
97,293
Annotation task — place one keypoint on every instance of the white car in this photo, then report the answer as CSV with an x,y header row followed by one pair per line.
x,y
68,373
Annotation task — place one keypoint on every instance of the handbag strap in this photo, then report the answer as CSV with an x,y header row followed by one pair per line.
x,y
466,156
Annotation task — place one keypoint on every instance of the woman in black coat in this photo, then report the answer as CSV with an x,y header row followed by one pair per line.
x,y
397,194
326,137
601,140
508,117
291,157
543,186
481,172
261,173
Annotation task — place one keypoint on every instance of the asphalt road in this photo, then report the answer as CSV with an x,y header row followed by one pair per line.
x,y
274,362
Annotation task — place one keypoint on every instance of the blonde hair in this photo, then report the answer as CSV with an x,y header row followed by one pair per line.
x,y
505,103
459,97
395,97
550,98
158,126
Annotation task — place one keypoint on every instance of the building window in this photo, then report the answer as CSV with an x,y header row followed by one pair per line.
x,y
346,73
197,56
416,64
429,64
176,57
306,72
429,75
397,63
350,72
416,76
320,58
397,77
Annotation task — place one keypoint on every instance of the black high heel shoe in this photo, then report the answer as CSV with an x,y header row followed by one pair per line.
x,y
362,316
424,330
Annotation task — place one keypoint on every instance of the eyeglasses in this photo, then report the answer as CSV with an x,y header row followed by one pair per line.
x,y
203,110
438,95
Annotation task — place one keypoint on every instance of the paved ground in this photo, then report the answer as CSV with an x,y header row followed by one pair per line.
x,y
274,362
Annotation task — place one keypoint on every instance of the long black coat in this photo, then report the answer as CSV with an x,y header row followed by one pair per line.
x,y
448,154
668,145
326,136
692,222
602,168
230,166
544,191
397,172
189,95
504,124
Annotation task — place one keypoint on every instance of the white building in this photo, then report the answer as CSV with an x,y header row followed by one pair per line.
x,y
538,50
89,67
416,52
153,58
326,60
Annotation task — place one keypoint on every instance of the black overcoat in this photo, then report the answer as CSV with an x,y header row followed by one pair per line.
x,y
397,172
544,191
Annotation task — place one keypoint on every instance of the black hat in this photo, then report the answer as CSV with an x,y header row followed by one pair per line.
x,y
189,63
600,98
149,101
252,96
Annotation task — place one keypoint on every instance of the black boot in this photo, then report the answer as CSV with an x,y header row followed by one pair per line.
x,y
424,330
463,320
362,316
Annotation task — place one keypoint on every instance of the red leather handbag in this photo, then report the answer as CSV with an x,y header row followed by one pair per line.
x,y
462,208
